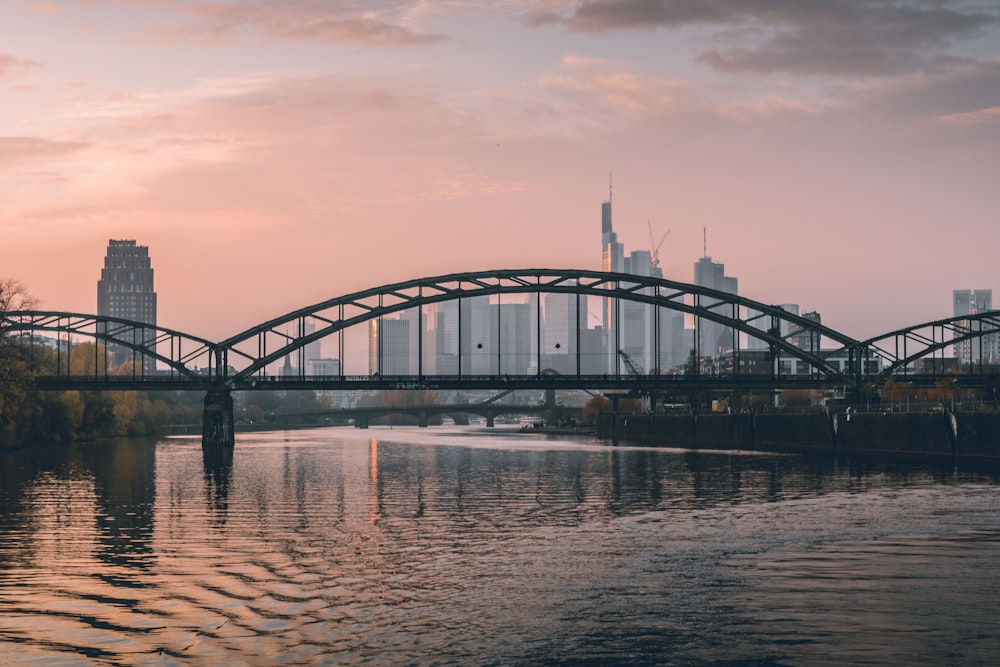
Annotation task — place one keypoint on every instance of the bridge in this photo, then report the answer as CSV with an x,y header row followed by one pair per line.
x,y
489,333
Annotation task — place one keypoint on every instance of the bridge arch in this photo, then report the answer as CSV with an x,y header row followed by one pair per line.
x,y
145,340
899,349
251,351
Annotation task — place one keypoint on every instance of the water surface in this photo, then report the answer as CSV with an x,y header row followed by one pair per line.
x,y
485,546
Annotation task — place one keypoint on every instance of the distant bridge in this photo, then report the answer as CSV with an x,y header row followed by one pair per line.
x,y
168,359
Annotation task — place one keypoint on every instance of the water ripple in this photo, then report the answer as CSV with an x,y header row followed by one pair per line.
x,y
337,547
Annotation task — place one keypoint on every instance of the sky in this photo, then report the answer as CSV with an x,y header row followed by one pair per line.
x,y
843,155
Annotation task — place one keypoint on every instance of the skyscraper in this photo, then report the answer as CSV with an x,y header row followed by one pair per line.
x,y
971,302
651,336
712,337
125,291
759,320
389,346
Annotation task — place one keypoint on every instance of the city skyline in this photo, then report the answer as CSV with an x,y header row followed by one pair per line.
x,y
274,156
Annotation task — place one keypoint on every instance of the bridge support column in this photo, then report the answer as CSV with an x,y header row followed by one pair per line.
x,y
422,419
489,420
361,422
217,429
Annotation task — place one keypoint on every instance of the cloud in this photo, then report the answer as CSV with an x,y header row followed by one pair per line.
x,y
21,150
592,94
372,24
611,91
977,117
47,8
969,88
11,66
830,37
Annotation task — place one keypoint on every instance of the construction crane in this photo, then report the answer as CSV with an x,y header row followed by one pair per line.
x,y
654,247
633,368
636,369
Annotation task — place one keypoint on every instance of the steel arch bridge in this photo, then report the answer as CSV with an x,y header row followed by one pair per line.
x,y
166,358
251,351
900,349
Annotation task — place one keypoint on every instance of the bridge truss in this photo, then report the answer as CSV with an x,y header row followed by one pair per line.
x,y
251,352
272,355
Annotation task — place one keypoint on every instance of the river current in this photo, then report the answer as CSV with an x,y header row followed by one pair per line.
x,y
474,546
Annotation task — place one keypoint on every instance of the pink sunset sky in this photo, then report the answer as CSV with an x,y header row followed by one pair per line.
x,y
843,155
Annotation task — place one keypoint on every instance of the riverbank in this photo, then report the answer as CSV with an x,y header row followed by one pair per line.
x,y
938,434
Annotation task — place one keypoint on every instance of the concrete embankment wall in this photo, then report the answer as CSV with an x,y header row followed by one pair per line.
x,y
925,434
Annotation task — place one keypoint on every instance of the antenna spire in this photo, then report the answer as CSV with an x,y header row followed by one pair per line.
x,y
611,185
704,231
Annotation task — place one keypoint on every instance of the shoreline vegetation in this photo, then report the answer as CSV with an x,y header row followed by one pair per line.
x,y
957,420
941,421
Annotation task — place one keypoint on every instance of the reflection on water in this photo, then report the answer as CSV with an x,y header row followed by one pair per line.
x,y
459,546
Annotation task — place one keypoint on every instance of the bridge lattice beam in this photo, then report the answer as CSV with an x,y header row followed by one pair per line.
x,y
286,335
143,339
901,348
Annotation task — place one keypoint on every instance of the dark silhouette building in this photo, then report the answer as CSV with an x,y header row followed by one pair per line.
x,y
125,291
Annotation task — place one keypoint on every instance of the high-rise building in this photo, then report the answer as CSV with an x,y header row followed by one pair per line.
x,y
612,260
510,337
125,291
476,337
713,338
564,315
652,337
445,322
972,302
389,346
759,320
805,339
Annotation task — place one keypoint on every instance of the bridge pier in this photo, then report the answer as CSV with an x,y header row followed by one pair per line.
x,y
217,429
422,419
489,420
360,422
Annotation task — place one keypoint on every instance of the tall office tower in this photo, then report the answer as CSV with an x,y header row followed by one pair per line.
x,y
712,337
389,346
612,260
125,290
446,338
312,350
477,354
510,338
763,322
971,302
564,315
323,367
635,331
652,337
802,338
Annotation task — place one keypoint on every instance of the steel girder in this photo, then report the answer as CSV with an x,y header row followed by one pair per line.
x,y
898,348
902,347
285,335
185,349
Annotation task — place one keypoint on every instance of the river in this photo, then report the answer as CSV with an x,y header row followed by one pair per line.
x,y
475,546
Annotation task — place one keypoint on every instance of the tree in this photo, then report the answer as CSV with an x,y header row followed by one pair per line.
x,y
18,404
897,391
946,390
14,296
596,404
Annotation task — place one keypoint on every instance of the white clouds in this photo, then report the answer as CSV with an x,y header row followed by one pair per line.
x,y
977,117
20,151
364,24
11,66
616,88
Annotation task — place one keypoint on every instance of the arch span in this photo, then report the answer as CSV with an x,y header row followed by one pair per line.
x,y
178,351
901,348
251,351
